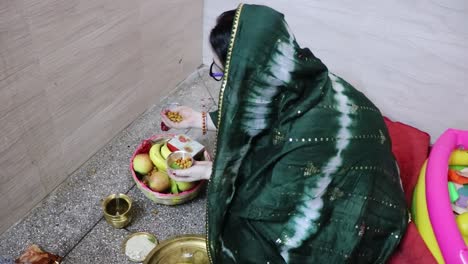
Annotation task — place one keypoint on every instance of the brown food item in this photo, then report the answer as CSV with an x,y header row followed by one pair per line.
x,y
34,255
184,163
174,116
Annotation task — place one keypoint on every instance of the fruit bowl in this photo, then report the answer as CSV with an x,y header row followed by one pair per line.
x,y
157,197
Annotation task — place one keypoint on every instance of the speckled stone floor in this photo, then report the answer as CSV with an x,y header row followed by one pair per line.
x,y
69,221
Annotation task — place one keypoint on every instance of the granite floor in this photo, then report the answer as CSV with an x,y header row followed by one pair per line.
x,y
69,222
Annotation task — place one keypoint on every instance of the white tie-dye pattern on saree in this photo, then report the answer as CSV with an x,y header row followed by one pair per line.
x,y
304,223
275,75
282,64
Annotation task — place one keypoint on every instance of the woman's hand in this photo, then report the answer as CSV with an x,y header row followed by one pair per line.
x,y
190,118
201,170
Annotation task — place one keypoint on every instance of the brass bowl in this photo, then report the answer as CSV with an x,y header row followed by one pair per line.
x,y
150,237
186,249
117,210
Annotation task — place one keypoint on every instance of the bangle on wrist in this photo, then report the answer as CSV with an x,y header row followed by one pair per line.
x,y
204,123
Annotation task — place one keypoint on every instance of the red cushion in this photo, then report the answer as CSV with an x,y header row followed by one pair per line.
x,y
412,249
411,148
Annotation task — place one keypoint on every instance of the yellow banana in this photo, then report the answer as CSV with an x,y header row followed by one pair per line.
x,y
165,151
156,158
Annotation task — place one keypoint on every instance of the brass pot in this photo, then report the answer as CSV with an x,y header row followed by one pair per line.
x,y
117,210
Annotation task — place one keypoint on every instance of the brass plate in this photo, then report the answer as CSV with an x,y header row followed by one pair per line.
x,y
187,249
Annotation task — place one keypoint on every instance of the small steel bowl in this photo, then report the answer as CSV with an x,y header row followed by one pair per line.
x,y
177,155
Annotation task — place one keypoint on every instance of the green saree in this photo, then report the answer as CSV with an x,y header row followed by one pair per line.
x,y
304,171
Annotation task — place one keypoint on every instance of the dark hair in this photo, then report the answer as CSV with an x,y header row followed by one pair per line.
x,y
221,34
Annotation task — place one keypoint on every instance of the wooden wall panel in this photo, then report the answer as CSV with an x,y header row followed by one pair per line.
x,y
178,58
73,73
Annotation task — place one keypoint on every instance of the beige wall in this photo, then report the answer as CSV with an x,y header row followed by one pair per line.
x,y
73,73
409,57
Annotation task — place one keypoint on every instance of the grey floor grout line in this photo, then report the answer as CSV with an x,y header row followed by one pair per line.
x,y
83,237
92,228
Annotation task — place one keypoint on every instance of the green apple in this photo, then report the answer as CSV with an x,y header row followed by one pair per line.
x,y
142,164
174,189
184,186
